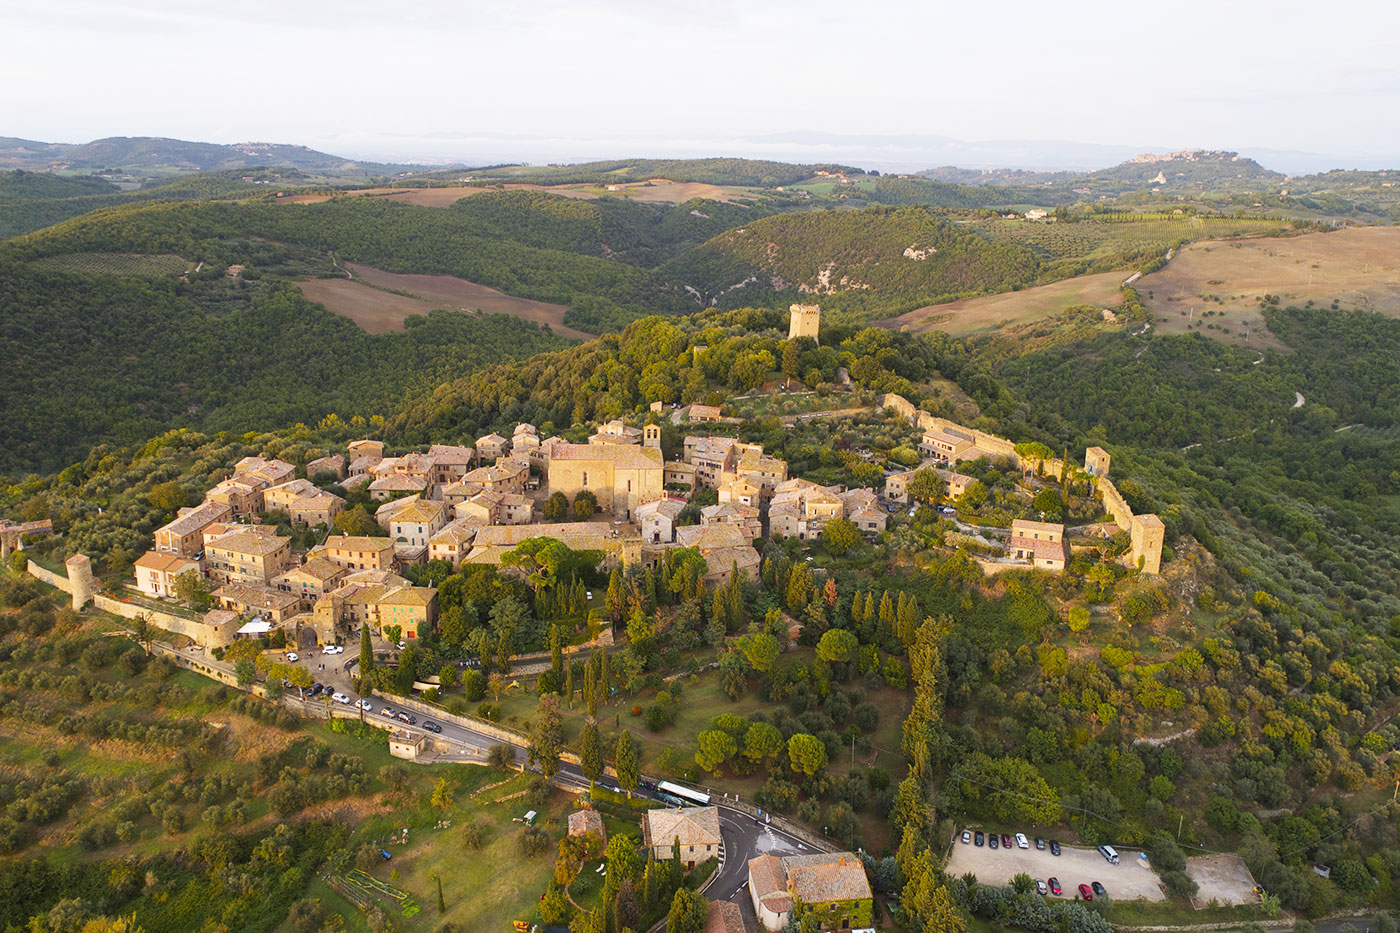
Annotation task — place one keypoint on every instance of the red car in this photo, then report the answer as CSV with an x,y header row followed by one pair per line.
x,y
1085,893
1005,841
1055,886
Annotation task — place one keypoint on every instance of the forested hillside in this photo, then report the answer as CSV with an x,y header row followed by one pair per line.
x,y
104,359
902,255
653,360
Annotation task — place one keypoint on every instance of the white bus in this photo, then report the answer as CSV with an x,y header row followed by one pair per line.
x,y
683,796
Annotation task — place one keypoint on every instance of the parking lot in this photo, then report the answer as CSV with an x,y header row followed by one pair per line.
x,y
1131,879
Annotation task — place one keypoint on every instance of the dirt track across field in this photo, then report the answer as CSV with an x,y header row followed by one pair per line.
x,y
1012,309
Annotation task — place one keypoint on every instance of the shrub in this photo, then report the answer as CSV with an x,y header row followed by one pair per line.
x,y
533,842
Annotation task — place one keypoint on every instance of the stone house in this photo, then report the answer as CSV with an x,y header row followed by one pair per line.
x,y
334,464
800,509
242,496
658,519
506,476
311,580
357,552
746,517
703,413
415,524
248,554
452,542
1040,543
271,472
491,447
583,822
185,535
830,887
616,432
944,445
393,485
697,828
250,599
679,473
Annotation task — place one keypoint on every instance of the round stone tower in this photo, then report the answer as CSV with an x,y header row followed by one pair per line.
x,y
80,581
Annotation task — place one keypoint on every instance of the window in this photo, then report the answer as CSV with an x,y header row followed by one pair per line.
x,y
585,479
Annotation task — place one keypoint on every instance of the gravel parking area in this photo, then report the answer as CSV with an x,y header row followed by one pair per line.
x,y
1224,879
1131,879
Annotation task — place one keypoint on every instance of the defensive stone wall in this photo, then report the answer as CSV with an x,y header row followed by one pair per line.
x,y
48,576
1114,503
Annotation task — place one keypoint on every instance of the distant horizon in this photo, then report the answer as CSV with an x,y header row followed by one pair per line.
x,y
577,79
883,153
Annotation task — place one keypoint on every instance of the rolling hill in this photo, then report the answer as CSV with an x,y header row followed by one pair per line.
x,y
904,254
157,155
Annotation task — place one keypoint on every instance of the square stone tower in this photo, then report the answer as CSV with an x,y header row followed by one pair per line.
x,y
1096,461
651,436
1147,535
804,321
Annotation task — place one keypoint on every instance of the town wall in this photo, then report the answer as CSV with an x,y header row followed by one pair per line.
x,y
1114,503
48,576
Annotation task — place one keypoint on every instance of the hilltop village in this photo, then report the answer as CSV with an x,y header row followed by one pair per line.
x,y
615,495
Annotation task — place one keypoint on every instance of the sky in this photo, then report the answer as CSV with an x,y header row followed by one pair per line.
x,y
1077,83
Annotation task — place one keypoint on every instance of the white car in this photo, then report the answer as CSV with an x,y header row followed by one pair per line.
x,y
292,656
1021,842
364,705
341,698
337,649
403,645
331,649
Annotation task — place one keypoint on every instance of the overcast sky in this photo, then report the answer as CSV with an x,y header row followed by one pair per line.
x,y
547,79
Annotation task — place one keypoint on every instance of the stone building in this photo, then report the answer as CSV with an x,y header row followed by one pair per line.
x,y
831,887
1096,461
357,552
622,477
697,828
1040,543
804,321
247,554
1147,534
185,535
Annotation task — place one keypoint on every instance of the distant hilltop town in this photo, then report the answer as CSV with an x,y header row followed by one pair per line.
x,y
1189,155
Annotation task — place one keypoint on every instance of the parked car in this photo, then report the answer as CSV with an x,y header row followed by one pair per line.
x,y
1055,887
992,841
980,838
1021,842
1085,893
387,712
1005,841
431,726
292,656
966,837
1040,887
403,645
365,705
384,853
405,716
1040,844
333,649
316,690
340,698
1054,847
1099,890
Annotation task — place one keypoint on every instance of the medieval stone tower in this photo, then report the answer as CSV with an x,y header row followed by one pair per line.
x,y
1096,461
1147,535
80,582
805,321
651,436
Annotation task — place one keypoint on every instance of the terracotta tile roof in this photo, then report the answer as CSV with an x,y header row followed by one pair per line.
x,y
419,510
398,482
695,826
197,519
255,597
724,917
358,543
768,883
165,563
409,596
819,879
249,542
625,456
585,821
1028,525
